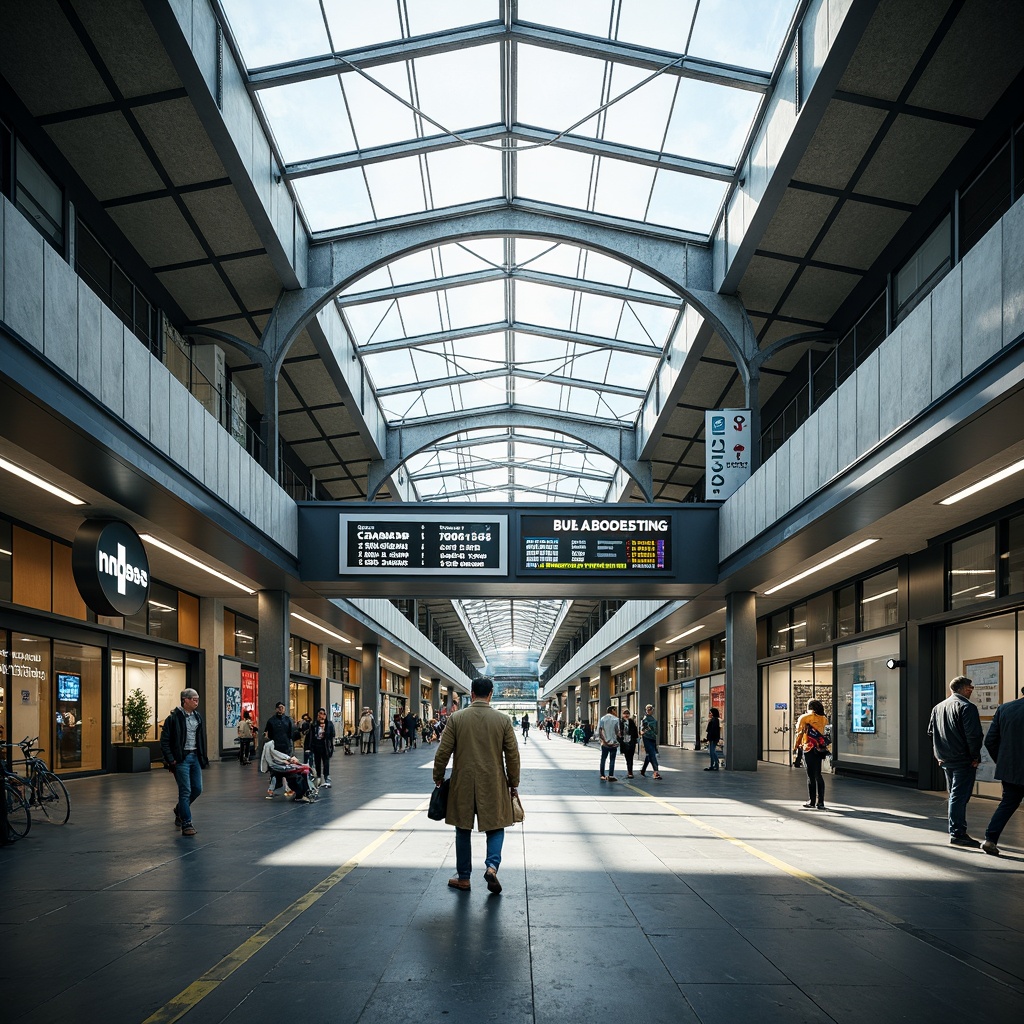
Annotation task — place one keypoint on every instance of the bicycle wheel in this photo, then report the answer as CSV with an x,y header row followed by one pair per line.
x,y
52,798
19,821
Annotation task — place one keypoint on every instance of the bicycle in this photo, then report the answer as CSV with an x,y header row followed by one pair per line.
x,y
19,819
40,787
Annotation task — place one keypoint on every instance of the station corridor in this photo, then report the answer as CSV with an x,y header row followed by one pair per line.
x,y
701,897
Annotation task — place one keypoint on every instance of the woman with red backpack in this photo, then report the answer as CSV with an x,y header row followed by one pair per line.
x,y
812,740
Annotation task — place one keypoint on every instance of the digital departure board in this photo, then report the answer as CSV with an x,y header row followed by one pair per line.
x,y
424,544
601,544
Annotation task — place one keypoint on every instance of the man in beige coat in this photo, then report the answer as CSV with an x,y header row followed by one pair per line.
x,y
485,774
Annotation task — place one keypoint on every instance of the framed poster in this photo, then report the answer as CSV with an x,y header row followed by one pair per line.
x,y
987,674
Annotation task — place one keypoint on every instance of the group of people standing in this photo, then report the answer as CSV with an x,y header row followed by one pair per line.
x,y
621,734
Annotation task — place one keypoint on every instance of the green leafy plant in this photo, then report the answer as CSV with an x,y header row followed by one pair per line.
x,y
137,716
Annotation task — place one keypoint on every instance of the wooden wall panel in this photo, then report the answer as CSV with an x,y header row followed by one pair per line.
x,y
188,619
32,570
229,633
66,598
314,659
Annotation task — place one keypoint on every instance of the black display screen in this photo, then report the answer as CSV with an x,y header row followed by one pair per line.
x,y
598,544
424,544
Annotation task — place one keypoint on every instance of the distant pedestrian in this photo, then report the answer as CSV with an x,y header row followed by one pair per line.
x,y
588,733
812,739
409,726
281,730
526,728
246,734
321,746
628,736
183,745
608,733
548,726
713,736
1005,742
396,732
955,729
365,727
305,724
649,738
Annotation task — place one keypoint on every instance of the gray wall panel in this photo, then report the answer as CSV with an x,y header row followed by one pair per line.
x,y
846,422
890,383
136,384
60,313
945,328
23,278
196,440
160,406
982,322
90,342
917,362
179,405
211,445
828,439
1013,273
867,404
111,360
797,493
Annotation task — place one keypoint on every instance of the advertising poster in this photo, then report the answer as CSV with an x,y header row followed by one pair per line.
x,y
250,691
864,712
727,448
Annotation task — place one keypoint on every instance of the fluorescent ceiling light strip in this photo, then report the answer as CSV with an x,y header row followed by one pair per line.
x,y
38,481
150,539
323,629
4,551
695,629
401,668
824,565
982,484
615,668
878,597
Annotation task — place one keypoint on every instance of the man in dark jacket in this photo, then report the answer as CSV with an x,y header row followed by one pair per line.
x,y
955,729
183,745
281,729
1005,742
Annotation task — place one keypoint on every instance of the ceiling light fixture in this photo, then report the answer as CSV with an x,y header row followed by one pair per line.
x,y
694,629
615,668
39,482
323,629
150,539
982,484
823,565
401,668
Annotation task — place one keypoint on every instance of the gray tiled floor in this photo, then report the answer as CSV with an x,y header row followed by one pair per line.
x,y
721,901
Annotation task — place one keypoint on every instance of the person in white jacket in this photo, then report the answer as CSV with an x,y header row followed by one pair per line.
x,y
294,773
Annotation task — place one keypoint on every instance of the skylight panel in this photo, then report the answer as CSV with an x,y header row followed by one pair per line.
x,y
646,324
269,32
417,266
558,89
598,314
534,351
686,201
750,37
374,321
476,304
396,187
464,175
660,24
623,189
710,122
481,393
639,119
475,254
537,394
630,370
389,368
554,175
590,365
543,305
460,88
356,24
335,200
480,353
308,119
430,16
377,118
584,402
420,314
592,18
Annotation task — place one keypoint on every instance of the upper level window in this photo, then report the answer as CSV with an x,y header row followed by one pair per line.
x,y
38,197
972,569
878,600
985,200
1015,557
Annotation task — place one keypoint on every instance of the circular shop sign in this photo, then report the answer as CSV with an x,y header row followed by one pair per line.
x,y
110,565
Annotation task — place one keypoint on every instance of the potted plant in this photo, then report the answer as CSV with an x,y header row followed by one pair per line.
x,y
135,756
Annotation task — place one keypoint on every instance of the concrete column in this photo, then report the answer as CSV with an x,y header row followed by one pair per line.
x,y
435,695
646,688
275,626
584,699
211,639
371,686
570,703
449,699
741,740
325,696
604,692
415,701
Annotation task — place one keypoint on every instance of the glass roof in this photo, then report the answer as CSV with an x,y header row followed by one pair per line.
x,y
503,627
612,110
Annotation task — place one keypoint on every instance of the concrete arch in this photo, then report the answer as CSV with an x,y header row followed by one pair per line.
x,y
617,443
683,266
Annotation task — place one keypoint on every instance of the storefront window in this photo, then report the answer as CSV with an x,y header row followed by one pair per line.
x,y
846,611
972,569
6,578
778,633
28,678
878,600
78,672
673,716
777,713
868,727
1014,557
163,611
689,714
246,638
799,627
160,680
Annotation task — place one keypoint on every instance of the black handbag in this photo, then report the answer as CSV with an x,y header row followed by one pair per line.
x,y
438,802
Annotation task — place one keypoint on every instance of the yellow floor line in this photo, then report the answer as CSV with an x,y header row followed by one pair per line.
x,y
185,1000
804,876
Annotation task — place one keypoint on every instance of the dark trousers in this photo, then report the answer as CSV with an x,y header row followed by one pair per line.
x,y
1012,797
628,750
321,763
813,760
245,750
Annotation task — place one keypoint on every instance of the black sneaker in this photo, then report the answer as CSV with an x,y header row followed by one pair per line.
x,y
177,819
990,848
964,840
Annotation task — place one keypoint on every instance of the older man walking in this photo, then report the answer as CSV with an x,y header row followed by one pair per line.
x,y
955,729
1005,742
485,774
183,745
